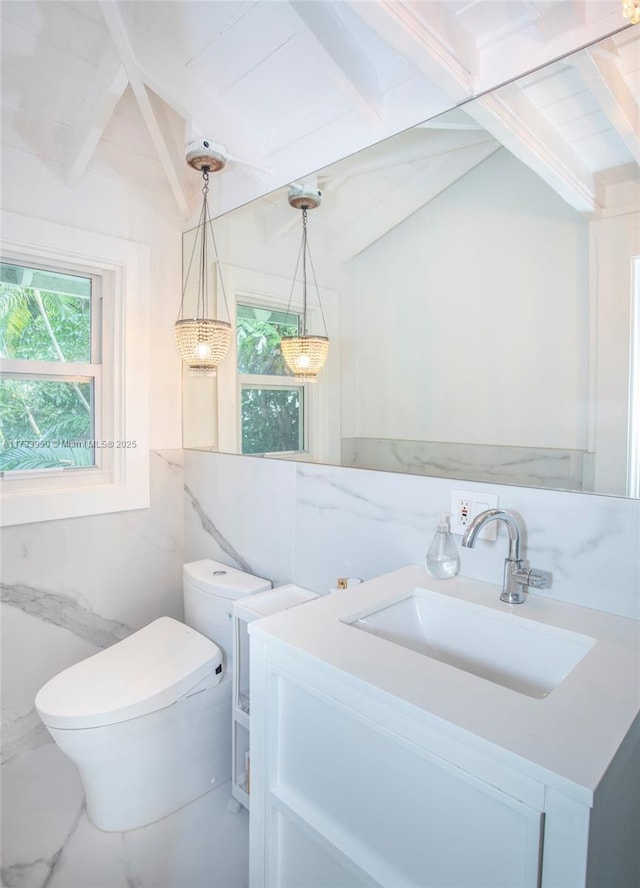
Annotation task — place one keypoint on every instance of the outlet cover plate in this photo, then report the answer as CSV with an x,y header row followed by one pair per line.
x,y
465,505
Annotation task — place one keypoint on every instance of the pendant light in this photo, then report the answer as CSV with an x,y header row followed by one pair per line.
x,y
631,10
203,341
305,354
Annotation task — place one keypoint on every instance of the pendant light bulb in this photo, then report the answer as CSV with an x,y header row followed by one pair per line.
x,y
203,342
305,355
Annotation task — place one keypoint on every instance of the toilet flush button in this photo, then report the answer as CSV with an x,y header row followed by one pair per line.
x,y
218,573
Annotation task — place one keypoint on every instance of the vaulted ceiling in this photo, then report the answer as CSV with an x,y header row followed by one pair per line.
x,y
573,122
289,87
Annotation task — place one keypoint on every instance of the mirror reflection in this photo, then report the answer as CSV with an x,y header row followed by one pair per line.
x,y
479,278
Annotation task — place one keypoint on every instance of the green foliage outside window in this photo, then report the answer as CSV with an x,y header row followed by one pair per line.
x,y
271,414
45,316
271,420
259,334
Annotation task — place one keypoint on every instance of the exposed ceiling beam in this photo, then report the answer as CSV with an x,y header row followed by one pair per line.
x,y
350,67
409,33
440,123
174,144
602,76
173,166
196,102
500,64
429,144
421,189
512,18
278,222
513,119
106,91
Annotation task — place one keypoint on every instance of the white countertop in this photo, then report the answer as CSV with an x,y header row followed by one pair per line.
x,y
273,601
566,739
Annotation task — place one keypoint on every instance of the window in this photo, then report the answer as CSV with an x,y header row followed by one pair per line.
x,y
272,411
49,324
253,405
73,372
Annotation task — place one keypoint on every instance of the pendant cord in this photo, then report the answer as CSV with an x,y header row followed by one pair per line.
x,y
305,247
199,229
202,304
313,272
295,275
304,252
205,224
219,268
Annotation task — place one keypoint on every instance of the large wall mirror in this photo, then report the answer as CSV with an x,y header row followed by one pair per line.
x,y
479,276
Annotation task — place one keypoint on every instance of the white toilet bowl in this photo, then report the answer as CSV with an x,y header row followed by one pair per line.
x,y
142,721
148,720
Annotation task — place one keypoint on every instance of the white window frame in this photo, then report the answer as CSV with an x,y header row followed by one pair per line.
x,y
65,371
275,382
262,290
255,380
120,481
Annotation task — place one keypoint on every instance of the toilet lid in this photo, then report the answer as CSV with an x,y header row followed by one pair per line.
x,y
221,580
147,671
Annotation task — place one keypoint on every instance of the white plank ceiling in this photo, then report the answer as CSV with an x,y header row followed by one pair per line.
x,y
121,86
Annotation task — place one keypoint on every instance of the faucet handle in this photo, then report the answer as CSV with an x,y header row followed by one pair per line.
x,y
537,579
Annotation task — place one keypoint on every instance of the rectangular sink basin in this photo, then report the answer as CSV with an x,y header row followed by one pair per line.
x,y
523,655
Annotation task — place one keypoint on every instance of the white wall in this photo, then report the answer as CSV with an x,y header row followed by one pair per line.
x,y
111,205
70,587
486,289
614,240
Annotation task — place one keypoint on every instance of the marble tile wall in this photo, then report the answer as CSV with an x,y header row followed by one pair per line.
x,y
311,524
241,511
73,586
552,469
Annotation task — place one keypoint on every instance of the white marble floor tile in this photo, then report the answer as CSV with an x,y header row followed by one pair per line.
x,y
48,841
42,799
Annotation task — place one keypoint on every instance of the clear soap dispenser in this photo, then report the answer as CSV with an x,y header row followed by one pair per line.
x,y
442,559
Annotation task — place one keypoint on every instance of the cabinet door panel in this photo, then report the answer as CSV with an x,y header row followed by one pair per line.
x,y
404,816
301,859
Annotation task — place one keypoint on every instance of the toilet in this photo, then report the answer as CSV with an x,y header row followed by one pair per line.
x,y
147,721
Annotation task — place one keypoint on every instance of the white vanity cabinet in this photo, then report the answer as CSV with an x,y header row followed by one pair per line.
x,y
370,806
353,786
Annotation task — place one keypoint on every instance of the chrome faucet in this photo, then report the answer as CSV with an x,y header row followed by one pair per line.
x,y
516,576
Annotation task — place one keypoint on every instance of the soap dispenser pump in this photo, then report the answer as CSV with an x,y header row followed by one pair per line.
x,y
442,559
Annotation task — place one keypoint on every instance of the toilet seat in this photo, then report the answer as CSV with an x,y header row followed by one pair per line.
x,y
147,671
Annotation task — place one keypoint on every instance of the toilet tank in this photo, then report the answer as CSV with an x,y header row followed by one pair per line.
x,y
209,590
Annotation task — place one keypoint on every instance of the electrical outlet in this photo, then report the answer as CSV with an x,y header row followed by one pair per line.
x,y
463,512
465,505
